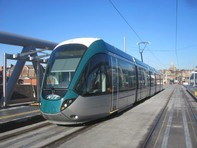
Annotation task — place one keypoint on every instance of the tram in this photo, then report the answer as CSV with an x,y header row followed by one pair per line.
x,y
87,79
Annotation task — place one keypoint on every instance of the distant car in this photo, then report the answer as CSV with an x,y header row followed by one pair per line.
x,y
185,83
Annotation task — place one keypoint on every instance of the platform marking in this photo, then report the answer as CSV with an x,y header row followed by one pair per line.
x,y
161,127
191,124
20,114
186,129
160,131
12,108
169,124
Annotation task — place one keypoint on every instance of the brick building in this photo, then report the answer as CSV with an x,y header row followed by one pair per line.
x,y
174,75
27,76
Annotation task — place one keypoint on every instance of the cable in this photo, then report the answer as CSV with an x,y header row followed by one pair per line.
x,y
176,32
125,20
162,50
132,28
156,57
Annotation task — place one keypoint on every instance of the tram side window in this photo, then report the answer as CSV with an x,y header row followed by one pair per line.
x,y
142,77
94,79
157,79
127,75
148,78
152,79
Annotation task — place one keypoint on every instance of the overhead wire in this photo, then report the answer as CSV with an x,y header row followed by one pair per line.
x,y
132,28
162,50
156,57
176,32
125,20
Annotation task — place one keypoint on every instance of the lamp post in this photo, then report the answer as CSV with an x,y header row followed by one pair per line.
x,y
142,49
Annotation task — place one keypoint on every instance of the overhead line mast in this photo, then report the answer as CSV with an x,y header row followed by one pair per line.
x,y
141,41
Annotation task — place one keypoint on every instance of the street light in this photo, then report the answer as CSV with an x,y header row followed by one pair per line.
x,y
142,49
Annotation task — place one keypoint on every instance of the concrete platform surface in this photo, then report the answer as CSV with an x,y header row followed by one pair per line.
x,y
18,113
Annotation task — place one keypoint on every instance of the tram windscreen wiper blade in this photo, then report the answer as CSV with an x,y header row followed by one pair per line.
x,y
52,89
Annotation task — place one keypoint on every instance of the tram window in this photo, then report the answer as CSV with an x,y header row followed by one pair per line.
x,y
152,79
145,78
148,78
127,75
61,72
103,79
94,79
157,79
114,74
142,77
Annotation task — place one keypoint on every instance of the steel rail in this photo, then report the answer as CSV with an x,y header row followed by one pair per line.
x,y
51,141
64,138
190,106
22,130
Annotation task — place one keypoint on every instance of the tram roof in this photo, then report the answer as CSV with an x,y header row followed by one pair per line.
x,y
91,41
84,41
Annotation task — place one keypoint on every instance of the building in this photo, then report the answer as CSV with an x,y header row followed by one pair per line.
x,y
27,76
174,75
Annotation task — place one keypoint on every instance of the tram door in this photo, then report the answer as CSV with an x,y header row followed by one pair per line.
x,y
114,103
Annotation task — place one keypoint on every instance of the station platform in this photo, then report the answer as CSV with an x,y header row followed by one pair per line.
x,y
18,115
167,119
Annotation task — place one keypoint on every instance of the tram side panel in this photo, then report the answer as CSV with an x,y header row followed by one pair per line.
x,y
94,87
126,75
152,76
143,84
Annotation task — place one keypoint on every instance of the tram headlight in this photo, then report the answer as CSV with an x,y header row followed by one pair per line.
x,y
66,103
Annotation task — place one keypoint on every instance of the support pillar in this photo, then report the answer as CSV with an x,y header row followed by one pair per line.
x,y
39,75
4,101
38,82
16,73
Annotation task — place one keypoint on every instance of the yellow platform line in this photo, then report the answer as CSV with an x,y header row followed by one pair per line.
x,y
113,111
195,93
35,104
20,114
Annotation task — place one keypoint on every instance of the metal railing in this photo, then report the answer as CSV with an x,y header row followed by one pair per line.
x,y
31,47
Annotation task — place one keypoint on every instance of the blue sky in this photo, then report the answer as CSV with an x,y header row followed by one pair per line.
x,y
153,20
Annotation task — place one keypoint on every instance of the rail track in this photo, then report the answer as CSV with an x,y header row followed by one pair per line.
x,y
157,120
159,135
45,134
42,134
191,101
